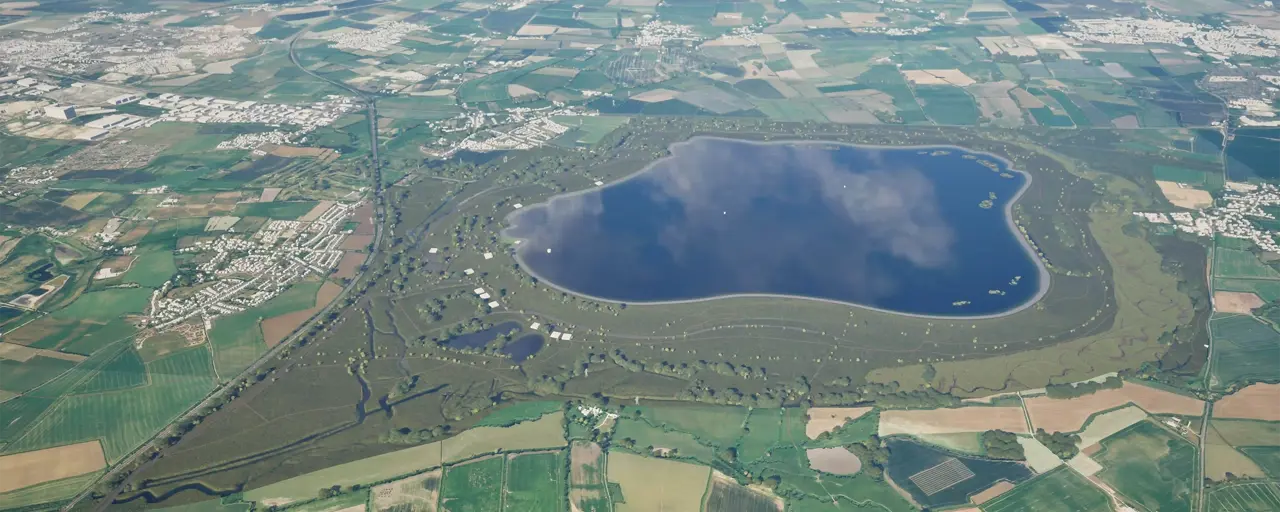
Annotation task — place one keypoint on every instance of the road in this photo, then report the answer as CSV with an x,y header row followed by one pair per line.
x,y
1208,383
219,393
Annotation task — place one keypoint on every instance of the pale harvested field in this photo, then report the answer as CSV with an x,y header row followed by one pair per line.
x,y
180,81
35,467
583,455
861,19
1039,457
1221,458
1069,415
545,432
1255,402
802,59
222,67
987,494
922,77
349,265
293,152
517,90
835,460
356,242
1237,302
938,77
656,95
826,419
1084,464
1108,424
536,30
657,484
556,71
277,328
316,211
1185,197
420,492
269,194
221,223
80,200
1128,122
1026,99
15,352
950,421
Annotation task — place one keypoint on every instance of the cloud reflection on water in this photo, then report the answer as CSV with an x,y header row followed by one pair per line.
x,y
896,228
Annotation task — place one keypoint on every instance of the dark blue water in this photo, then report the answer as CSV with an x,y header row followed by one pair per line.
x,y
897,229
523,347
480,339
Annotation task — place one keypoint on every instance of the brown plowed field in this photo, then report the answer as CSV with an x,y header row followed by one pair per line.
x,y
1254,402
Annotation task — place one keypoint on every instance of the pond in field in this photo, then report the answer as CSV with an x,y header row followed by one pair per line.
x,y
912,230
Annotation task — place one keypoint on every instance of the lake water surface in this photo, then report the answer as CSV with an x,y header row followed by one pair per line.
x,y
911,230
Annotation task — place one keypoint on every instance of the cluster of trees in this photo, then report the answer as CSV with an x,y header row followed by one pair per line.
x,y
406,435
1061,444
999,444
874,455
1082,389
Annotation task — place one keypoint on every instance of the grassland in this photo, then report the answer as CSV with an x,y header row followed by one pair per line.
x,y
152,268
473,487
1150,466
1060,490
1243,350
1237,263
535,481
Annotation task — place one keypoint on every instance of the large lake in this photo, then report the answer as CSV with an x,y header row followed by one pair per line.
x,y
912,230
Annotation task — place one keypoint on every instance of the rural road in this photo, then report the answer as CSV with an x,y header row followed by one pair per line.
x,y
218,393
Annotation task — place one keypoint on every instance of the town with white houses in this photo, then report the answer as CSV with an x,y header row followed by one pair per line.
x,y
1233,216
239,273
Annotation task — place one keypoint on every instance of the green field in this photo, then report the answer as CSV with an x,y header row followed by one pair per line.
x,y
125,371
711,425
589,130
1060,490
167,232
1150,466
19,376
948,105
1267,289
519,412
676,444
535,481
1238,263
1245,497
286,210
1245,350
123,419
1179,174
237,339
1266,457
106,305
474,486
152,268
47,492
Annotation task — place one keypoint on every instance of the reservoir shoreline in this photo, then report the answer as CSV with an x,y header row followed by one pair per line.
x,y
1044,281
